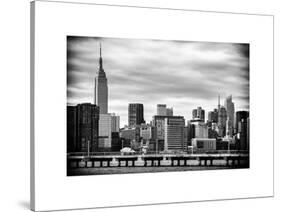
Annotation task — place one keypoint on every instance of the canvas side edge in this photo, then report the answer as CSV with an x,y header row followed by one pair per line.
x,y
32,124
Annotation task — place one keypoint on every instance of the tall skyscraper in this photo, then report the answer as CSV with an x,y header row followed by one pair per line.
x,y
190,132
159,123
213,116
229,106
174,133
242,129
115,122
87,127
135,114
243,135
222,117
239,116
101,90
248,133
108,124
71,128
105,129
198,113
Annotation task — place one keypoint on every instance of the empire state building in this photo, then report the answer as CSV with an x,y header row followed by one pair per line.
x,y
101,90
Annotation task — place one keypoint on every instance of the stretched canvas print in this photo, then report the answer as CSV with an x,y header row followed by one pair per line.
x,y
136,105
143,105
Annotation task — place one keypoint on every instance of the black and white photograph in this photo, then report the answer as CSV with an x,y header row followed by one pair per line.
x,y
147,105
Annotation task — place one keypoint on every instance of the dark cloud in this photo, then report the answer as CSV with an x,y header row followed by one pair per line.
x,y
181,74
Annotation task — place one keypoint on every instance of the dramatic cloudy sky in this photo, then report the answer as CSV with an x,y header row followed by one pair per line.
x,y
180,74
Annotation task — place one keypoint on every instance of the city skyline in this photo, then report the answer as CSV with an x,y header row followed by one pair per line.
x,y
180,74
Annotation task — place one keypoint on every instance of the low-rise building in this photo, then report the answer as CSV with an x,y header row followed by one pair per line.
x,y
204,143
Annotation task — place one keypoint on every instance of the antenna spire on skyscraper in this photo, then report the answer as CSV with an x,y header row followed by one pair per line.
x,y
219,101
101,90
100,50
100,60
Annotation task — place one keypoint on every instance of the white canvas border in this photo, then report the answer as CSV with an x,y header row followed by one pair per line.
x,y
54,190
